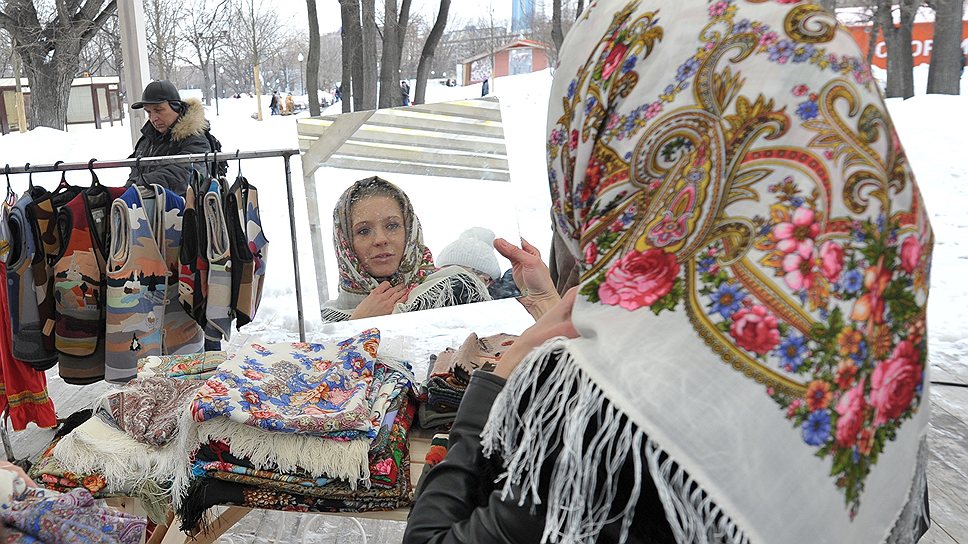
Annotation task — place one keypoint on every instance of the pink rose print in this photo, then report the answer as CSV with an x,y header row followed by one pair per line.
x,y
851,410
591,253
798,271
383,467
870,305
755,329
800,90
894,382
614,59
639,279
794,406
654,109
831,260
798,234
910,253
573,140
718,8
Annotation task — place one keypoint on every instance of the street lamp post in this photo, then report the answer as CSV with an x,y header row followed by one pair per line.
x,y
302,82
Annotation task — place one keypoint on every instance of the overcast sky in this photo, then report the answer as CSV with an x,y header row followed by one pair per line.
x,y
460,10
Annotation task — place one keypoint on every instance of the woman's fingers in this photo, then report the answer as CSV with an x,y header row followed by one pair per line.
x,y
530,248
510,251
382,288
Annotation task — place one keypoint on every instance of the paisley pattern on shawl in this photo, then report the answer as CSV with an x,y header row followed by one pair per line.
x,y
313,389
41,515
709,200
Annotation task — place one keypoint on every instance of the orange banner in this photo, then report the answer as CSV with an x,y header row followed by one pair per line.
x,y
921,42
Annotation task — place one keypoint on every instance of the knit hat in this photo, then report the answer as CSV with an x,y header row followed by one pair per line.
x,y
473,249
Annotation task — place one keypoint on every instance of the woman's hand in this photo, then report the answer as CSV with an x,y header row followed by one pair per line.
x,y
531,275
380,301
555,322
7,465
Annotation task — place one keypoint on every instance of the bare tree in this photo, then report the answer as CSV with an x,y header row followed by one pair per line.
x,y
427,55
366,99
161,22
312,70
944,75
557,36
900,60
352,45
50,45
394,32
102,55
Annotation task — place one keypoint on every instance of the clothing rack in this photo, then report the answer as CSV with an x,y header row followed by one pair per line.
x,y
204,158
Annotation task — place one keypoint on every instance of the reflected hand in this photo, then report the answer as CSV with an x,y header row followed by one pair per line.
x,y
555,322
380,301
531,275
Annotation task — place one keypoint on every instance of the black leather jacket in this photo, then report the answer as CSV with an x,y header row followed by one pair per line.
x,y
460,503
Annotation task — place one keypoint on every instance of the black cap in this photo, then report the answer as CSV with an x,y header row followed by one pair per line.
x,y
157,92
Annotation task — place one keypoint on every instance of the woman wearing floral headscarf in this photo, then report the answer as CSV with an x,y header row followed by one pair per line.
x,y
384,266
744,359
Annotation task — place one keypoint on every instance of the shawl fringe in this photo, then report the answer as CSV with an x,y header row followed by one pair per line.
x,y
287,452
533,417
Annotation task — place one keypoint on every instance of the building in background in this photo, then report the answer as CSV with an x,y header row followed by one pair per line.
x,y
522,16
92,100
517,57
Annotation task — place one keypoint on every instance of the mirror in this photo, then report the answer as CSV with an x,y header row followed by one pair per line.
x,y
450,159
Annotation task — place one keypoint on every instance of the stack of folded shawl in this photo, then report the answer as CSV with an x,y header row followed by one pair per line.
x,y
449,375
129,447
304,427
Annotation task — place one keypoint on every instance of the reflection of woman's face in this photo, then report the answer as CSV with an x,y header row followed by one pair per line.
x,y
379,234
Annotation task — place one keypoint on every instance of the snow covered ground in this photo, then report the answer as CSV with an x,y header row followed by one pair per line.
x,y
931,127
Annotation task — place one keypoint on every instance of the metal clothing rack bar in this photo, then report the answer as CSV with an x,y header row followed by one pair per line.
x,y
286,155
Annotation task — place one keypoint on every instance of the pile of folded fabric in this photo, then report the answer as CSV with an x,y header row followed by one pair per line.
x,y
305,427
130,444
450,373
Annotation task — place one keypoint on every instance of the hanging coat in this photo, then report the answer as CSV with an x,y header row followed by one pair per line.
x,y
218,311
143,315
250,249
79,285
42,213
193,273
23,390
25,320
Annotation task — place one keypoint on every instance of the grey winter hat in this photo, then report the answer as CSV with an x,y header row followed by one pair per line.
x,y
157,92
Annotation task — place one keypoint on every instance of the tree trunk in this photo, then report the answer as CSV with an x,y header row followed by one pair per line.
x,y
427,53
352,53
312,70
368,55
390,63
50,85
556,34
580,8
900,60
346,84
944,75
207,85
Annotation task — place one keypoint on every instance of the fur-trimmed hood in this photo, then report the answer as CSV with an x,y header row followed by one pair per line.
x,y
191,123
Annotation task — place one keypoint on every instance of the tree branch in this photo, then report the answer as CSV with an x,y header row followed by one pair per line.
x,y
99,21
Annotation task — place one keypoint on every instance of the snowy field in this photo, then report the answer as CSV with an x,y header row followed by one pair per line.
x,y
931,127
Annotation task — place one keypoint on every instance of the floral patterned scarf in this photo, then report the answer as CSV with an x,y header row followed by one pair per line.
x,y
754,258
355,283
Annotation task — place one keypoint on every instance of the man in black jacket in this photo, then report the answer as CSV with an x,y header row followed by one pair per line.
x,y
174,127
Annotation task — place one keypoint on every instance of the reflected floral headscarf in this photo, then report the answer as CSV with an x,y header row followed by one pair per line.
x,y
754,258
354,281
